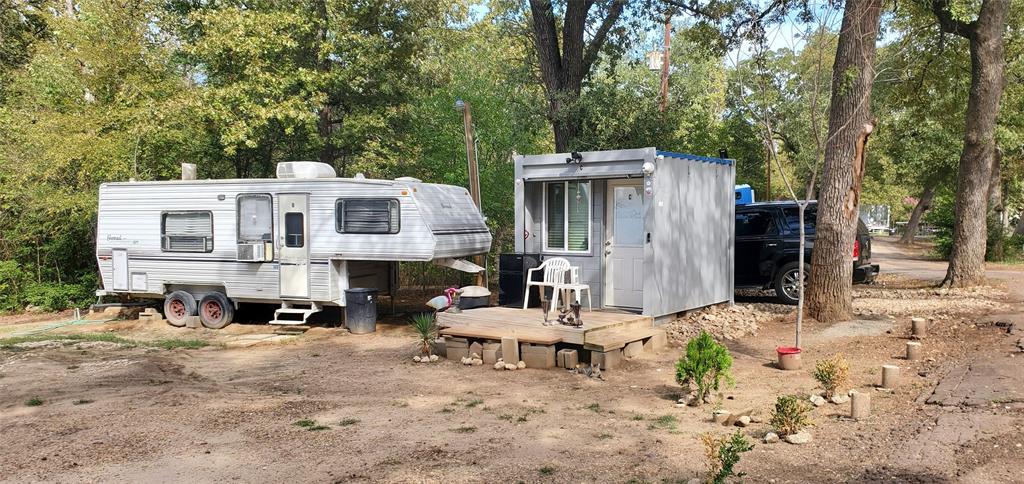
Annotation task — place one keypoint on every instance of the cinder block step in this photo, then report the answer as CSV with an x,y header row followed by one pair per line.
x,y
614,339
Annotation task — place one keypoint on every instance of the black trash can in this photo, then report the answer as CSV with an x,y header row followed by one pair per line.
x,y
361,310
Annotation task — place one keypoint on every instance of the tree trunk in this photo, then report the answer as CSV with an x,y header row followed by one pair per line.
x,y
923,204
967,258
563,66
830,295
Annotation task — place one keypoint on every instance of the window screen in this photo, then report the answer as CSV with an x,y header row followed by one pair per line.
x,y
187,232
752,224
567,218
294,235
368,216
255,218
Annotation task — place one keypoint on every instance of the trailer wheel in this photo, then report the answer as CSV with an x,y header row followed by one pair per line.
x,y
178,306
216,310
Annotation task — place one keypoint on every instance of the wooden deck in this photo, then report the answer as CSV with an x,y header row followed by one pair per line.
x,y
602,330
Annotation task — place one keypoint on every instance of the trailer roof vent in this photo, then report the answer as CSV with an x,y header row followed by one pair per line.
x,y
408,179
305,169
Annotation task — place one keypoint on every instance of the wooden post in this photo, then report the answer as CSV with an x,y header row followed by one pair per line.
x,y
474,174
860,405
913,350
890,376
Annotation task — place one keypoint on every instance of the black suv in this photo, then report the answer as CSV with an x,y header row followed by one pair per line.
x,y
768,244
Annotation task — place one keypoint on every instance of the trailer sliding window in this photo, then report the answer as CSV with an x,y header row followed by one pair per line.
x,y
255,218
186,231
567,216
367,216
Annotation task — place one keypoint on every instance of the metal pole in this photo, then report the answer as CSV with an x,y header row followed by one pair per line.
x,y
664,65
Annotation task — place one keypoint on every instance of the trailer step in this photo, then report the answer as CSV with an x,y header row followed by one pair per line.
x,y
287,308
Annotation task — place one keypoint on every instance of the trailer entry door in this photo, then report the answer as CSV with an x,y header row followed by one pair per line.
x,y
624,245
293,245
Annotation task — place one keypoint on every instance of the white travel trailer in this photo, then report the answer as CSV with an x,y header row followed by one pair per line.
x,y
300,240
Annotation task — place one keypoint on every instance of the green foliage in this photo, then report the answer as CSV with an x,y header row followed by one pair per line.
x,y
723,453
790,415
56,296
426,331
33,402
704,364
831,373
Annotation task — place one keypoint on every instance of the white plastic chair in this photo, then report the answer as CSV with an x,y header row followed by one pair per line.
x,y
555,271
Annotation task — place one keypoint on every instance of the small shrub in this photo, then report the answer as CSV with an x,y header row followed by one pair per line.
x,y
33,402
668,422
832,373
348,421
474,403
464,430
55,296
704,364
547,470
723,453
426,331
790,415
305,423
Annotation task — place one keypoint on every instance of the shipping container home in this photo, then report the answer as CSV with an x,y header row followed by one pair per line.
x,y
299,240
650,230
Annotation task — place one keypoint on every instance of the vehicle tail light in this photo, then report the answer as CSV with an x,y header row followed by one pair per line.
x,y
856,249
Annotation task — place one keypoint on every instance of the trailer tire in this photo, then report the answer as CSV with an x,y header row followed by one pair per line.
x,y
216,310
178,307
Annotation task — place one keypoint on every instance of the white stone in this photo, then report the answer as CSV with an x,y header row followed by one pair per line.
x,y
840,399
477,362
424,359
798,438
743,421
416,359
817,400
771,438
510,366
434,358
499,366
521,365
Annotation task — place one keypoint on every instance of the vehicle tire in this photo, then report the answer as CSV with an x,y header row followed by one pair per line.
x,y
178,306
216,310
786,289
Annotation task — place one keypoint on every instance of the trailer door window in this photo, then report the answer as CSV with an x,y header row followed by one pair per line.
x,y
294,235
367,216
567,216
255,218
187,231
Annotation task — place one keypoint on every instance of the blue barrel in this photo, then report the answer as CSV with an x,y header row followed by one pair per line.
x,y
361,310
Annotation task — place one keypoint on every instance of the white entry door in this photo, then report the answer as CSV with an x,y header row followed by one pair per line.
x,y
293,247
624,245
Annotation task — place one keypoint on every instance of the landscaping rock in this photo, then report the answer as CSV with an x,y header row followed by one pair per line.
x,y
477,362
817,400
434,358
771,438
720,416
839,399
521,365
499,366
799,438
743,421
510,366
416,359
757,419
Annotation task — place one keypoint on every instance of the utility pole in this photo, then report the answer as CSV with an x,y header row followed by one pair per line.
x,y
474,174
768,173
664,64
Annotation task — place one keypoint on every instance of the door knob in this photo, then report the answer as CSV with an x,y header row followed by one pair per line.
x,y
607,252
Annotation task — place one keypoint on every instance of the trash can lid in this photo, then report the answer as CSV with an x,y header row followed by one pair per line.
x,y
475,291
360,290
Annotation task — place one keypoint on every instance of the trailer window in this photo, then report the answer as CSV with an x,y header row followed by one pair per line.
x,y
187,231
255,218
567,216
294,235
367,216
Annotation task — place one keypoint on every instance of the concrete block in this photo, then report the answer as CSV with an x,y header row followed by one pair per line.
x,y
441,347
608,360
656,343
491,355
193,322
456,353
456,342
568,358
538,356
633,350
476,348
510,349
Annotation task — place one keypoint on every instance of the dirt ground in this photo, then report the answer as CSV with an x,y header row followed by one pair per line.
x,y
141,413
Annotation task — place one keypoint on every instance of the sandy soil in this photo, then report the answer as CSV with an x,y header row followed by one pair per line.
x,y
137,414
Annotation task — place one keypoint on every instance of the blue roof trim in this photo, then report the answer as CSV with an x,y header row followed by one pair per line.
x,y
684,156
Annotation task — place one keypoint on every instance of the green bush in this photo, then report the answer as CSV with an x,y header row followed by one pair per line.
x,y
13,279
55,296
723,453
831,373
790,415
704,364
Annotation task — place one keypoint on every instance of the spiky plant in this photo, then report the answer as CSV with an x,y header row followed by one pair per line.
x,y
426,331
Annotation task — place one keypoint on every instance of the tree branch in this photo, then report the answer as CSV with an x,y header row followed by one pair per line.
x,y
949,24
594,48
